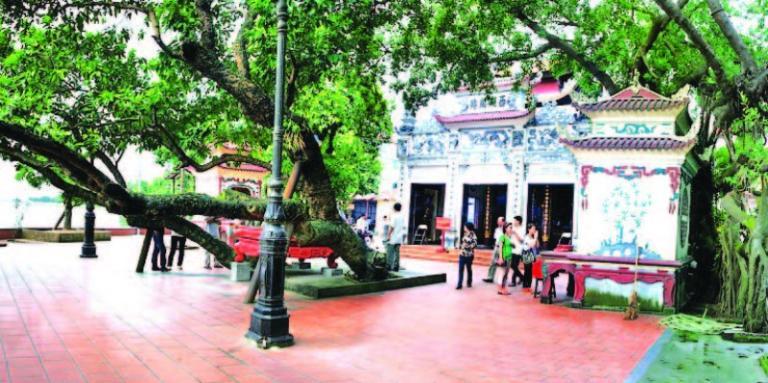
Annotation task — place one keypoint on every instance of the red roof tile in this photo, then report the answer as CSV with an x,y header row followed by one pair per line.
x,y
488,116
636,143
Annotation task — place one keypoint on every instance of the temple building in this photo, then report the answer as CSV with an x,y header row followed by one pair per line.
x,y
488,157
610,177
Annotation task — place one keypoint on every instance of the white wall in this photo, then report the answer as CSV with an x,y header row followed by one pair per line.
x,y
621,211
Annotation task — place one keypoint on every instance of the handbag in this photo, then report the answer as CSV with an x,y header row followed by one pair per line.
x,y
528,256
500,261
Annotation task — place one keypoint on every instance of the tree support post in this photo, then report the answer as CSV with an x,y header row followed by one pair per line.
x,y
269,320
144,251
89,248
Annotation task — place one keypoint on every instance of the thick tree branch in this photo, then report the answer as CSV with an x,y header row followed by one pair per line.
x,y
240,47
207,33
510,57
74,164
111,166
188,204
169,141
734,39
47,172
570,51
157,34
698,40
660,23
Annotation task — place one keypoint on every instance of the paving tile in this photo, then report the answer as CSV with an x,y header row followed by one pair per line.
x,y
64,319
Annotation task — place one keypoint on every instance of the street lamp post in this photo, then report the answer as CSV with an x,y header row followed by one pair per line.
x,y
269,320
89,247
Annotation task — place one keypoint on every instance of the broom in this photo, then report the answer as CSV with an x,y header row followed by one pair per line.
x,y
634,307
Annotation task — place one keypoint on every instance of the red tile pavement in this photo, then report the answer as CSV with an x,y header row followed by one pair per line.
x,y
65,319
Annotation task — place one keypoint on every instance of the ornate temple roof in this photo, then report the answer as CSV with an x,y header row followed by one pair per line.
x,y
487,116
631,143
636,98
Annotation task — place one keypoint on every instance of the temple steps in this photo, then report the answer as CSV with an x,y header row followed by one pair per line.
x,y
432,253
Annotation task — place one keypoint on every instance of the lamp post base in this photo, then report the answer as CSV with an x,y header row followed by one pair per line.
x,y
88,251
269,330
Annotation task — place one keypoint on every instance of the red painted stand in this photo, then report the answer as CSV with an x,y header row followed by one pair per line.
x,y
574,264
245,241
443,224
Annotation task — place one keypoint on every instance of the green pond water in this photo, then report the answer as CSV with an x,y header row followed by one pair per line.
x,y
691,357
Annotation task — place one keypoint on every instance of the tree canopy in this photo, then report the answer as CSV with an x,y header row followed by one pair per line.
x,y
76,96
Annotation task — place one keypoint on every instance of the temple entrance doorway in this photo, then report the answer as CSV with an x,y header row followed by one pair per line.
x,y
427,202
550,207
482,205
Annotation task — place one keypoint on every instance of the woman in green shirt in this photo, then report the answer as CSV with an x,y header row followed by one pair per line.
x,y
507,246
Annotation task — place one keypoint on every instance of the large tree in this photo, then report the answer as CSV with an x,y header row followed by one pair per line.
x,y
445,44
74,97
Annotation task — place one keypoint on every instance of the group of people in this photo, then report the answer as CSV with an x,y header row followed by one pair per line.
x,y
513,245
178,243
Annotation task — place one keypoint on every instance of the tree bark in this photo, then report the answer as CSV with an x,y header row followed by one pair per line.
x,y
334,233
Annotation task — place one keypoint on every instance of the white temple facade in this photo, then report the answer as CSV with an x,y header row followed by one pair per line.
x,y
489,157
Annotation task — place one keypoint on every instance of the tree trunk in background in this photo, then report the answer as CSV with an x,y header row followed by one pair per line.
x,y
67,213
703,236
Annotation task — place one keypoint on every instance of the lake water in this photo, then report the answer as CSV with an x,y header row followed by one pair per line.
x,y
45,214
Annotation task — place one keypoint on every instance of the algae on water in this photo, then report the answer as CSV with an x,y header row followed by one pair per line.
x,y
694,324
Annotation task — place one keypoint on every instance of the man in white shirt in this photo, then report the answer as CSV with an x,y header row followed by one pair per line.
x,y
500,222
395,237
362,224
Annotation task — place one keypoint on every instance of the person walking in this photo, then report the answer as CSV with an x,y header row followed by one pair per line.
x,y
212,227
506,246
530,251
467,255
497,234
178,242
395,237
157,237
518,236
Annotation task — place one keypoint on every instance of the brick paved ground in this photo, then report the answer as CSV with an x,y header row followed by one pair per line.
x,y
63,319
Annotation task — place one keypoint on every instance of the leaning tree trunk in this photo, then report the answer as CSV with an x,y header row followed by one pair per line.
x,y
220,250
321,200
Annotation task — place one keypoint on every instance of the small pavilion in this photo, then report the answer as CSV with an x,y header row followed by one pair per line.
x,y
632,201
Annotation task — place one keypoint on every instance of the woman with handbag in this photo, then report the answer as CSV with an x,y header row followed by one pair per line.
x,y
507,246
530,251
467,255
